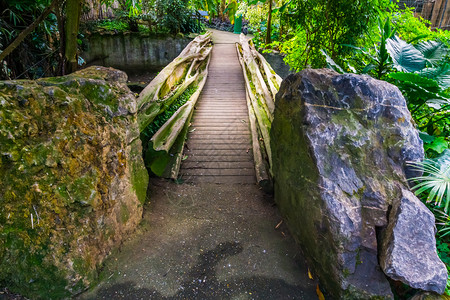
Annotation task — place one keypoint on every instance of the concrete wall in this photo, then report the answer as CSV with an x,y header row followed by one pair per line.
x,y
133,52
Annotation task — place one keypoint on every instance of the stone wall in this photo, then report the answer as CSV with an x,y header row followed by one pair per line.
x,y
133,52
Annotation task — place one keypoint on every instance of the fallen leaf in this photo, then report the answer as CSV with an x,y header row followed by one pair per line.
x,y
279,224
319,293
310,275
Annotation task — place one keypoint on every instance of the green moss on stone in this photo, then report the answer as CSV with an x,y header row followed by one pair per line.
x,y
60,152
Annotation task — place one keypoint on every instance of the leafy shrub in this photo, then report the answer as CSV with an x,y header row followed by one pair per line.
x,y
174,15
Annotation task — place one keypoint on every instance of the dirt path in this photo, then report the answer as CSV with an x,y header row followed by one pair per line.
x,y
207,241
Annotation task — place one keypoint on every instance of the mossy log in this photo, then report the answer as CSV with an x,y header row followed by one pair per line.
x,y
173,80
171,136
189,69
262,84
261,165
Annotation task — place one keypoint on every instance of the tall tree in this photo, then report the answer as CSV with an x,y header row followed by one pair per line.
x,y
269,24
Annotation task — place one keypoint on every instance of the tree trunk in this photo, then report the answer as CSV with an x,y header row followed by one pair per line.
x,y
59,12
27,31
73,14
269,25
222,9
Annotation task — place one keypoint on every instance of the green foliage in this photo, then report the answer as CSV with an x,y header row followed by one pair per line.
x,y
376,61
156,161
35,56
113,25
328,25
435,182
231,10
166,114
410,27
444,254
174,15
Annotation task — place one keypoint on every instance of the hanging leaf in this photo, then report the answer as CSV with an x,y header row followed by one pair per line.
x,y
433,51
331,64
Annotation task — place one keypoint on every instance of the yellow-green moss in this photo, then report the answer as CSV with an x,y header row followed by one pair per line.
x,y
62,144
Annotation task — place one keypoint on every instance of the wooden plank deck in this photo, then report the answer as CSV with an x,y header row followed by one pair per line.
x,y
219,148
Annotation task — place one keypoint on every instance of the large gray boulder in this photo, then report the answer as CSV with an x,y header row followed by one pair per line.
x,y
340,147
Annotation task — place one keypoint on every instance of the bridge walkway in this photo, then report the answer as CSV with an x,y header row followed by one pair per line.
x,y
218,148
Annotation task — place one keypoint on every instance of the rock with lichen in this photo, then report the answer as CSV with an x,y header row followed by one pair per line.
x,y
341,144
72,178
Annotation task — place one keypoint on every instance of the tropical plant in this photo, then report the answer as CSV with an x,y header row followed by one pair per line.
x,y
328,25
424,79
28,30
174,15
231,9
211,6
379,62
435,182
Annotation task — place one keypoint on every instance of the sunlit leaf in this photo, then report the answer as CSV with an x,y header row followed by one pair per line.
x,y
405,56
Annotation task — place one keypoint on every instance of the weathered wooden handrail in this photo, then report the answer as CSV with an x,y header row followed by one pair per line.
x,y
173,80
189,69
262,84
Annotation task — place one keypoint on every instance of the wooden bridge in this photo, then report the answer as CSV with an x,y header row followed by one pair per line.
x,y
228,138
219,148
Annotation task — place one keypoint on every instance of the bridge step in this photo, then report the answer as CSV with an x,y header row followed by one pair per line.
x,y
219,147
219,179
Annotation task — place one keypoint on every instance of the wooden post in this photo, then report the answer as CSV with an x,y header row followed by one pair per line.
x,y
436,13
445,15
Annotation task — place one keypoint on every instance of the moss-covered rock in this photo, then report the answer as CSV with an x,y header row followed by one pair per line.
x,y
72,178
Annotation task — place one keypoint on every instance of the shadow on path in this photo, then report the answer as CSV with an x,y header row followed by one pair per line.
x,y
202,283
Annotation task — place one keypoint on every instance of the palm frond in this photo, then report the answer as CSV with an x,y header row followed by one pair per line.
x,y
440,73
405,56
435,181
433,51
